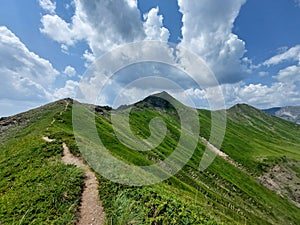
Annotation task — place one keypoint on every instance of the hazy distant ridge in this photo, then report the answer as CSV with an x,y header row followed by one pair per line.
x,y
289,113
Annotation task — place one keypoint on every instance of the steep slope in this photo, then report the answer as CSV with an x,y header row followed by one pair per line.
x,y
254,140
35,186
229,191
289,113
261,137
274,147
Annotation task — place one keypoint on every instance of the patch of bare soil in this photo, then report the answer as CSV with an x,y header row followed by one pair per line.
x,y
90,211
47,139
223,155
284,181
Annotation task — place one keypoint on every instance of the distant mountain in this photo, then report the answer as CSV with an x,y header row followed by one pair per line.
x,y
289,113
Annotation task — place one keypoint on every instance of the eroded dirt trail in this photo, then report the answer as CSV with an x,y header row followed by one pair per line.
x,y
91,211
223,155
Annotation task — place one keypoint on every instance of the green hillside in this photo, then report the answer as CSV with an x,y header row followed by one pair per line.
x,y
35,187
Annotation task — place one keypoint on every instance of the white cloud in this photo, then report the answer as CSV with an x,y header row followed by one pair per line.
x,y
89,57
69,5
290,54
48,5
286,89
257,95
103,30
290,75
154,26
264,96
98,24
27,80
69,90
297,2
70,71
24,75
132,3
59,30
207,30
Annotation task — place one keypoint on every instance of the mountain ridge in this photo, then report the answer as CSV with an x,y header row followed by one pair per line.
x,y
160,99
289,113
238,186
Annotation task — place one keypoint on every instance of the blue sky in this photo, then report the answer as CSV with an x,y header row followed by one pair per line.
x,y
253,47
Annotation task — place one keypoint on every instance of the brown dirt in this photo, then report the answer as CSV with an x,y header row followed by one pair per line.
x,y
282,180
90,212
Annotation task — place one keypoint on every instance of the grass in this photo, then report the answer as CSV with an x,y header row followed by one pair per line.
x,y
149,205
225,194
35,187
255,139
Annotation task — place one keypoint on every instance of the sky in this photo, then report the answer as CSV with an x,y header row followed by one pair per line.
x,y
251,47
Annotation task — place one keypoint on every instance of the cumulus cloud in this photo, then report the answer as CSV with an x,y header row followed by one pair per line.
x,y
285,90
207,30
48,5
281,93
154,26
290,75
59,30
70,71
257,95
26,79
290,54
97,23
24,75
69,90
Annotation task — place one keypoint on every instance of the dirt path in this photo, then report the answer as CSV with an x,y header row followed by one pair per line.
x,y
223,155
66,107
90,211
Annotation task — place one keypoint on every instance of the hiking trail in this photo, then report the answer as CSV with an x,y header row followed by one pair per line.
x,y
90,211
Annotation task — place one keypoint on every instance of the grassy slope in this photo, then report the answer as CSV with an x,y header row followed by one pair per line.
x,y
222,193
255,139
35,187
